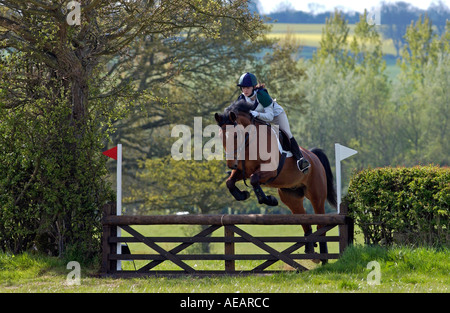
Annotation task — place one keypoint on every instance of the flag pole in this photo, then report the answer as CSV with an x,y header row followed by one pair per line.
x,y
119,199
338,175
341,153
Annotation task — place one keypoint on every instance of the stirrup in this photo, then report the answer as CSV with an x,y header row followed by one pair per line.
x,y
306,168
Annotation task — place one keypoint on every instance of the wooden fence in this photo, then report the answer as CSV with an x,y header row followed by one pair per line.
x,y
110,240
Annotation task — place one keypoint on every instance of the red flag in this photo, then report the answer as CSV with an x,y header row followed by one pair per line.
x,y
112,153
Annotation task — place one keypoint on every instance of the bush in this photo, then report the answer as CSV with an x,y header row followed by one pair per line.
x,y
52,172
52,185
401,205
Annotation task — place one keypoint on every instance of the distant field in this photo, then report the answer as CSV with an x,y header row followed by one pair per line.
x,y
309,34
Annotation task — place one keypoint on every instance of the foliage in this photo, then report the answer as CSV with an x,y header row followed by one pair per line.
x,y
347,92
51,184
351,100
60,92
404,205
197,92
193,186
180,77
420,95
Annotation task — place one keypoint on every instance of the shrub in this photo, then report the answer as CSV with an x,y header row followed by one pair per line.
x,y
404,205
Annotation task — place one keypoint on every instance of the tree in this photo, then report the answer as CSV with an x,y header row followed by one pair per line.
x,y
334,39
420,94
396,17
347,94
278,69
181,78
56,88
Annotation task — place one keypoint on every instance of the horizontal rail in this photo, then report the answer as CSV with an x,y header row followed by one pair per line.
x,y
226,219
221,257
225,239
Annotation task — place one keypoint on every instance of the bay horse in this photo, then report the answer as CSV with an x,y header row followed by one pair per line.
x,y
293,185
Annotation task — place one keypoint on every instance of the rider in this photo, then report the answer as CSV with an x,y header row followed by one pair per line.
x,y
270,111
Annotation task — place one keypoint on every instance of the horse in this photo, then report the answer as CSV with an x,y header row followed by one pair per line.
x,y
292,184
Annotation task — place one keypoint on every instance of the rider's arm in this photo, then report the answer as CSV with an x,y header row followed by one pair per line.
x,y
267,114
266,101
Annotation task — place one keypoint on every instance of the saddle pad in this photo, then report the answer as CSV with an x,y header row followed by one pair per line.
x,y
280,148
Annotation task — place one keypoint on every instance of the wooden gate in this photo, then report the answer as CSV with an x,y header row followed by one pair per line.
x,y
228,222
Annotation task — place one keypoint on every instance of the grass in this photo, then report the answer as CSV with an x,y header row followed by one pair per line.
x,y
310,34
402,269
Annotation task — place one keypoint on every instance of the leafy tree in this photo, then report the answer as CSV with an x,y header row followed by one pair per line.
x,y
59,94
185,185
396,18
348,93
420,94
182,77
209,193
334,39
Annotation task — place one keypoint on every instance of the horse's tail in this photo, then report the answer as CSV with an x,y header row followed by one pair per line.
x,y
331,192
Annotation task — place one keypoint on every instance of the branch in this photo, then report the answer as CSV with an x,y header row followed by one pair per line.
x,y
45,5
27,185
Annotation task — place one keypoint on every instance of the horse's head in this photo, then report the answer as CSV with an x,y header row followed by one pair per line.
x,y
238,113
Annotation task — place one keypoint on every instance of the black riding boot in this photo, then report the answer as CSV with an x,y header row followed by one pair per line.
x,y
302,163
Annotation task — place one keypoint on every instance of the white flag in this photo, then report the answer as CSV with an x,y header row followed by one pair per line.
x,y
341,153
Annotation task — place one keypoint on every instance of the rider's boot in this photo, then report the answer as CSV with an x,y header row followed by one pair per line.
x,y
302,163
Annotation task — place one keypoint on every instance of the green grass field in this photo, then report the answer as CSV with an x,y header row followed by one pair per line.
x,y
309,35
402,270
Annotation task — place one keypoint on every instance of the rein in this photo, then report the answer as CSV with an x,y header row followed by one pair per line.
x,y
255,120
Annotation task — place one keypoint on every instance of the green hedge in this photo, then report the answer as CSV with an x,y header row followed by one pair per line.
x,y
401,205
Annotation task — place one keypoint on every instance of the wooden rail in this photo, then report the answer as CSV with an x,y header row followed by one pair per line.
x,y
228,222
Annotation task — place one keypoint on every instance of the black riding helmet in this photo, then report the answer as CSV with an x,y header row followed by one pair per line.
x,y
247,80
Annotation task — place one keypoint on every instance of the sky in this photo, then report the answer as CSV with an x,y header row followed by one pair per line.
x,y
268,6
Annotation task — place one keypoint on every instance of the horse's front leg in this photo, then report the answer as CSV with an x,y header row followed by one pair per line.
x,y
255,180
231,185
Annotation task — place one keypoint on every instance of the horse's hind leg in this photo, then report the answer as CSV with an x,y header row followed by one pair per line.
x,y
293,198
318,203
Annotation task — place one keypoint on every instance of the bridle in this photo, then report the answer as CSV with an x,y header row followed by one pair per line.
x,y
238,150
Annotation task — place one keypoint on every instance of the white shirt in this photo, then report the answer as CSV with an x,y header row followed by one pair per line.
x,y
266,113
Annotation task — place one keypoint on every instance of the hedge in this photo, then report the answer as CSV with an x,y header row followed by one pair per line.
x,y
401,205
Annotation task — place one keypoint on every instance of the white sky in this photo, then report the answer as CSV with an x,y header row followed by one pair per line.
x,y
345,5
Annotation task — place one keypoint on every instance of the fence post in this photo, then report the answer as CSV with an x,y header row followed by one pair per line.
x,y
107,232
229,250
346,230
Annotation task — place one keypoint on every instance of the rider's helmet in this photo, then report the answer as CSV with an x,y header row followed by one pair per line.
x,y
247,80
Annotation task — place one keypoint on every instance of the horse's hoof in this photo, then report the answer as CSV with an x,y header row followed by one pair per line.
x,y
245,195
240,195
271,200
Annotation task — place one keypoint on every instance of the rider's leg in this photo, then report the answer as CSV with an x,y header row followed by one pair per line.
x,y
302,163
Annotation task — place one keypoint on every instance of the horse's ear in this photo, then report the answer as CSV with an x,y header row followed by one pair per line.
x,y
218,118
233,116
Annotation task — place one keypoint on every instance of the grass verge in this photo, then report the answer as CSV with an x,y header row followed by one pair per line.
x,y
402,269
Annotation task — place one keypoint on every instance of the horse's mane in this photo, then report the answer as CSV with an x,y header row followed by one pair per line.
x,y
239,106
